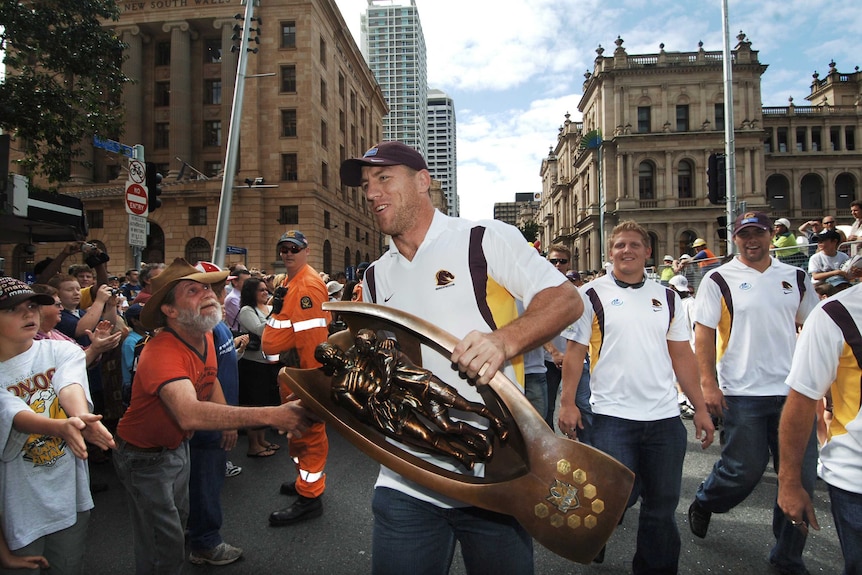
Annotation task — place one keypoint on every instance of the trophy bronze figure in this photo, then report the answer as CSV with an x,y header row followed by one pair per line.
x,y
373,389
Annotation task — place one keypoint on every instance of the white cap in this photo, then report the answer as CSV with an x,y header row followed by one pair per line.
x,y
668,258
684,257
679,282
333,287
782,222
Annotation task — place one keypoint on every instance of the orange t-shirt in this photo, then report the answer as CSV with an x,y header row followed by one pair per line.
x,y
166,358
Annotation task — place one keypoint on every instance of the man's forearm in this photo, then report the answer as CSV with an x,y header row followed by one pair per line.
x,y
797,418
550,311
704,343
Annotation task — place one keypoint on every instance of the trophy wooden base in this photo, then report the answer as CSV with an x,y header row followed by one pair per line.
x,y
567,495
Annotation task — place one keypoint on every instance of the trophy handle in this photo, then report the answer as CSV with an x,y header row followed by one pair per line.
x,y
567,495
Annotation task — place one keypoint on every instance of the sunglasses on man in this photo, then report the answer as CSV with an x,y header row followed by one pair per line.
x,y
556,261
293,249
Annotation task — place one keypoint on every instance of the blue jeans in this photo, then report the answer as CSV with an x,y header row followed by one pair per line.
x,y
536,390
582,401
654,451
416,537
158,487
751,434
206,478
847,513
554,376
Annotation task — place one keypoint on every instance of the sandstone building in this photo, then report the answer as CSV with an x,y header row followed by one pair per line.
x,y
310,102
651,121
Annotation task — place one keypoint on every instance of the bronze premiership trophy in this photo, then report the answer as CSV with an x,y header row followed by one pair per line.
x,y
567,495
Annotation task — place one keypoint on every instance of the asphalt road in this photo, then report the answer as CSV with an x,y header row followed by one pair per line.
x,y
339,542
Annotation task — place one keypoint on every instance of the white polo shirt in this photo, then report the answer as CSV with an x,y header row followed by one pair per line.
x,y
627,331
825,360
755,316
465,276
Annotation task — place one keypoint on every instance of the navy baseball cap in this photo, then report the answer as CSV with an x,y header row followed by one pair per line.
x,y
383,154
752,220
293,237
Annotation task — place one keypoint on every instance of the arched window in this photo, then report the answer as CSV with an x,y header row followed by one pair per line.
x,y
778,192
327,257
653,243
686,238
358,258
347,263
845,191
684,180
812,192
198,249
22,261
646,181
155,250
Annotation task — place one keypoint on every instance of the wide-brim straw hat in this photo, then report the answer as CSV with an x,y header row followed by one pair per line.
x,y
152,316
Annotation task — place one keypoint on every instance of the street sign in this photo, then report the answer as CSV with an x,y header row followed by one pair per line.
x,y
235,250
137,171
137,231
136,199
113,146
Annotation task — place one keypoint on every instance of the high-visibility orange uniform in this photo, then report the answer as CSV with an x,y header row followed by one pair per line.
x,y
301,325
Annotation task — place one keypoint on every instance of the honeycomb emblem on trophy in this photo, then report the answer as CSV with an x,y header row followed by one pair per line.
x,y
565,499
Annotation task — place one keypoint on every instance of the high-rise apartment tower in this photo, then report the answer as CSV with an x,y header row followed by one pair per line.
x,y
442,154
394,48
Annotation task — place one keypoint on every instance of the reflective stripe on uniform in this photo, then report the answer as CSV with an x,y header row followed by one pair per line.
x,y
279,323
309,324
308,476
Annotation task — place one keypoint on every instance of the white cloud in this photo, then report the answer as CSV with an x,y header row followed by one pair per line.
x,y
514,68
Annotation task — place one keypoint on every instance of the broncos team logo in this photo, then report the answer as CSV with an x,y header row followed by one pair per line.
x,y
563,496
656,305
786,287
444,278
45,450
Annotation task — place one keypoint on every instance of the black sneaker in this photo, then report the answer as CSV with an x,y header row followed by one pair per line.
x,y
698,519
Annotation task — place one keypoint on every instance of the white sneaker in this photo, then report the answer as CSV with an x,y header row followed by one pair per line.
x,y
232,470
222,554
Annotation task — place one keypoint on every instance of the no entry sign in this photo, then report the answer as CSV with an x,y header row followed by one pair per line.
x,y
136,199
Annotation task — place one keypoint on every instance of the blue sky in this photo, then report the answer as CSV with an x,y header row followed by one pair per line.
x,y
514,68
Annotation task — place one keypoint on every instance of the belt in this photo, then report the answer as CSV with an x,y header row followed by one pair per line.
x,y
132,447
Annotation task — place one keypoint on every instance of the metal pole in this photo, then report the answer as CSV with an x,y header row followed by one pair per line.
x,y
729,133
601,207
220,246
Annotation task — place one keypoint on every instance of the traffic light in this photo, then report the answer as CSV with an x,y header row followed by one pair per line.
x,y
154,187
722,227
716,176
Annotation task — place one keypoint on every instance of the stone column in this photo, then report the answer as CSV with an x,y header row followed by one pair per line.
x,y
668,181
181,94
842,138
133,92
229,62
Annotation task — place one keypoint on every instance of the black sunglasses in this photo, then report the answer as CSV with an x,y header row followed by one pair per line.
x,y
294,249
556,261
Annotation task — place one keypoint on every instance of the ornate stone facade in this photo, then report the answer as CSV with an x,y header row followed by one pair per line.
x,y
310,102
651,122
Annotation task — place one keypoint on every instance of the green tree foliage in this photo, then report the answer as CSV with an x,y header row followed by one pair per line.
x,y
63,80
530,231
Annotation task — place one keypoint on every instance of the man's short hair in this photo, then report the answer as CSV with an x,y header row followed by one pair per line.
x,y
147,270
629,226
76,269
58,279
561,249
857,203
